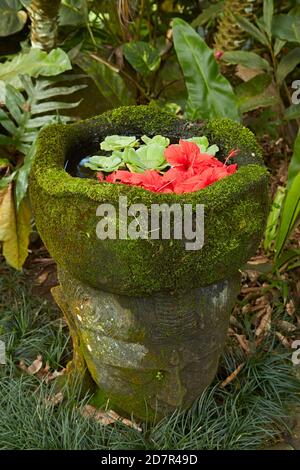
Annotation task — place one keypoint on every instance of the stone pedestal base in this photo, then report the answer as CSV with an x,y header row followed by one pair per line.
x,y
148,355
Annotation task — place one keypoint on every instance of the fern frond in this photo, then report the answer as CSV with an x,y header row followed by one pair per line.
x,y
27,112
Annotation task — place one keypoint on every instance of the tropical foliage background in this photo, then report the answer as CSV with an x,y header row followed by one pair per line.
x,y
66,60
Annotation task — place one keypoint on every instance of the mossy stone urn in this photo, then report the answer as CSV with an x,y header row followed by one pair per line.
x,y
148,317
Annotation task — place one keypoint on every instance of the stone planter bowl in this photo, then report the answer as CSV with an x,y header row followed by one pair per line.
x,y
148,317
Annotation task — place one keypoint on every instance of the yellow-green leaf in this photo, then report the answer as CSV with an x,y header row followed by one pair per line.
x,y
14,228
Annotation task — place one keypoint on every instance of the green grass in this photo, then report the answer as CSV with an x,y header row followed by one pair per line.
x,y
246,414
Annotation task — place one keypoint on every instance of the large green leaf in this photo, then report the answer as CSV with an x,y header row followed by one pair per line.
x,y
11,21
73,12
210,95
14,228
287,64
273,217
278,45
209,14
143,57
251,29
22,176
247,59
286,27
290,214
34,63
294,166
293,112
268,11
254,93
107,79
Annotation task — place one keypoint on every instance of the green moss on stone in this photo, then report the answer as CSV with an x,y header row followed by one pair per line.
x,y
65,207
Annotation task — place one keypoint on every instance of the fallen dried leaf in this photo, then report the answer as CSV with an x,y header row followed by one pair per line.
x,y
36,366
244,343
257,308
53,375
37,369
290,308
284,341
245,74
232,376
253,275
286,326
107,417
265,323
55,399
263,300
259,260
246,290
42,277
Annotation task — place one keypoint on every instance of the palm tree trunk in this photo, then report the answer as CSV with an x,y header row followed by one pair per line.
x,y
44,23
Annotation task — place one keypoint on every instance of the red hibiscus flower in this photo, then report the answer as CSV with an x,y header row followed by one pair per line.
x,y
153,181
184,157
121,176
190,171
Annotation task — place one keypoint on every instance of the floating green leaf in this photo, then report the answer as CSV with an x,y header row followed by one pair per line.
x,y
118,142
147,157
203,145
103,163
157,139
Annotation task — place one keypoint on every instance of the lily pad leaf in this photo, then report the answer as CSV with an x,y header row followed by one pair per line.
x,y
102,163
202,142
147,157
118,142
212,150
203,145
157,139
